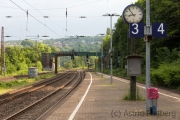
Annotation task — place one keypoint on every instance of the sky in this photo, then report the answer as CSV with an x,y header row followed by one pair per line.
x,y
21,26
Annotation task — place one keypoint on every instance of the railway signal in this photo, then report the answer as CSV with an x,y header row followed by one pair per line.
x,y
87,57
72,55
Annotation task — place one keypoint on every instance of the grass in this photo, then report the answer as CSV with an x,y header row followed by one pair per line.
x,y
16,84
178,88
139,97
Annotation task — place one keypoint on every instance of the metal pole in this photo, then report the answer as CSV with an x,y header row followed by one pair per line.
x,y
3,52
147,55
36,54
2,48
96,58
102,59
111,50
95,65
133,78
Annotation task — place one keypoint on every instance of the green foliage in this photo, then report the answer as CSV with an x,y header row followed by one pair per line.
x,y
178,88
68,64
39,66
27,43
167,75
164,55
108,31
19,58
10,68
22,66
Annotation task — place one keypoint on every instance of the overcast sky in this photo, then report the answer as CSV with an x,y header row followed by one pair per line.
x,y
21,27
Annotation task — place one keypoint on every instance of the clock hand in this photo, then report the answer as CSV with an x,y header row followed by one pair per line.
x,y
131,12
132,15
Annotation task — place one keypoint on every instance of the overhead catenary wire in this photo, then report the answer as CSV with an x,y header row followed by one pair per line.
x,y
57,8
48,17
65,7
36,19
85,4
19,29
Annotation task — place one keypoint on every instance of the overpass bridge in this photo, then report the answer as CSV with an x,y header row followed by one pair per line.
x,y
73,53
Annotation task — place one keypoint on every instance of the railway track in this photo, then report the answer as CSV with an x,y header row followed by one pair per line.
x,y
18,93
39,98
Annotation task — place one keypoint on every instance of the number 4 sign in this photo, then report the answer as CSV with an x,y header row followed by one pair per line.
x,y
159,29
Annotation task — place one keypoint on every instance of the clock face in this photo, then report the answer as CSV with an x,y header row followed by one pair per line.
x,y
132,14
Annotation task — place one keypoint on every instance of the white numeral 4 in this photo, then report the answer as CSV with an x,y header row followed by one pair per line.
x,y
161,29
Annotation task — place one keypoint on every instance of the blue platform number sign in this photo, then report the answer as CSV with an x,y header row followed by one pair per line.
x,y
159,30
136,30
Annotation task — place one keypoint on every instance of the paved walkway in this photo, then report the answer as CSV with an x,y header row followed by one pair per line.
x,y
104,101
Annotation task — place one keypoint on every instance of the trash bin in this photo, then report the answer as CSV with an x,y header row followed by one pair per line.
x,y
153,96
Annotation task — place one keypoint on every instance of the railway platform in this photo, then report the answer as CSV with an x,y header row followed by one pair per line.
x,y
97,99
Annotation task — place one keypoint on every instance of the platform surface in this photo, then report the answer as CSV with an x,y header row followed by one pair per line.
x,y
103,101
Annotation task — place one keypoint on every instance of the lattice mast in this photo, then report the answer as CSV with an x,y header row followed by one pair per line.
x,y
2,50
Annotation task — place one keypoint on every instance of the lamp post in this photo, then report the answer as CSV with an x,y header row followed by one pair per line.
x,y
102,55
79,45
96,57
111,51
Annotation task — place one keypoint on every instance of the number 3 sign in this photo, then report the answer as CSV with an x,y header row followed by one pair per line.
x,y
136,30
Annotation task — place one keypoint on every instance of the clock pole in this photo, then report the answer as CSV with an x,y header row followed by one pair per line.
x,y
148,102
133,78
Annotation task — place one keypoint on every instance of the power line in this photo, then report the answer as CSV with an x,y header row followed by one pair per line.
x,y
48,17
35,18
84,4
19,29
57,8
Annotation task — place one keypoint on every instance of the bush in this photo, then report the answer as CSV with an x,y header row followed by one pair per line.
x,y
166,75
8,84
22,72
10,68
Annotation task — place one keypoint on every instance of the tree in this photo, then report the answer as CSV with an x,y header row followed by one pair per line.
x,y
27,42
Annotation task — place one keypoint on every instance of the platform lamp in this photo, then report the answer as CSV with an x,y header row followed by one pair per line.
x,y
80,37
111,50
